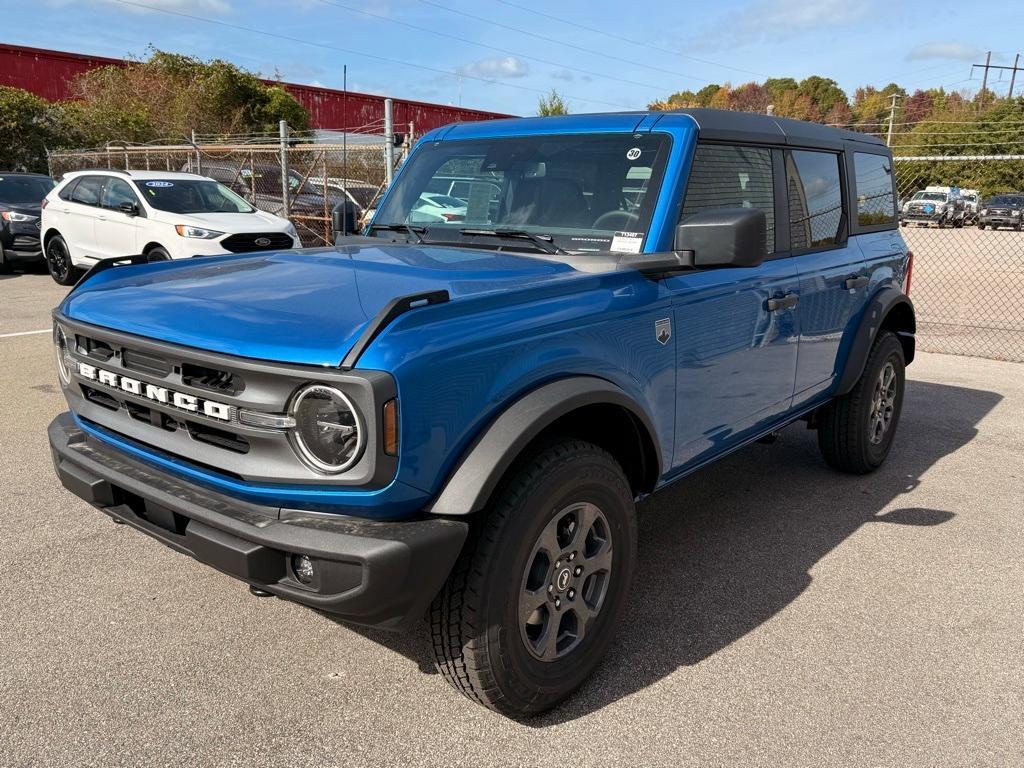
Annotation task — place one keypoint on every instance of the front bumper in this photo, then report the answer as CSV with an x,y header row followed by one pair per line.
x,y
21,244
1000,221
380,574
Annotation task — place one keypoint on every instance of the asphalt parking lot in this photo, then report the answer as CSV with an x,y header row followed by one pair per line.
x,y
782,615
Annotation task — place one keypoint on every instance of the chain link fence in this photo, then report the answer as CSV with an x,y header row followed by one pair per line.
x,y
315,177
968,279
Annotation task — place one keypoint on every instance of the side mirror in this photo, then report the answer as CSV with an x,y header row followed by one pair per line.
x,y
132,209
344,218
724,237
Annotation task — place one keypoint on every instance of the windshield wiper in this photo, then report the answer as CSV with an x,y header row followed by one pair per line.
x,y
543,242
416,232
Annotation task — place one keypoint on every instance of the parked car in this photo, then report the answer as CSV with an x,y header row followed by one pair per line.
x,y
456,419
934,207
21,198
94,215
432,207
1003,211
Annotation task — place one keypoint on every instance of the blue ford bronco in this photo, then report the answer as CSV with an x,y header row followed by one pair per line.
x,y
454,413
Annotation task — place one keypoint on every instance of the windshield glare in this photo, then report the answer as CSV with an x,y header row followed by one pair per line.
x,y
191,196
580,190
30,190
937,196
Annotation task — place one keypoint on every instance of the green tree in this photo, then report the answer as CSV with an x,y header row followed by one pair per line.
x,y
552,104
823,92
168,95
29,125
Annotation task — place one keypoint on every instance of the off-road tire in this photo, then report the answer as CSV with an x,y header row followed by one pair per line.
x,y
475,621
845,425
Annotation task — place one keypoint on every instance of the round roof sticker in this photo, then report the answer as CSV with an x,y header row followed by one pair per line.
x,y
159,184
633,154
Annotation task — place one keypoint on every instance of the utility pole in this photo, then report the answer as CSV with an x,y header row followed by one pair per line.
x,y
892,118
989,65
389,140
984,81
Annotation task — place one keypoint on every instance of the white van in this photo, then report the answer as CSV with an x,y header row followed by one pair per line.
x,y
94,215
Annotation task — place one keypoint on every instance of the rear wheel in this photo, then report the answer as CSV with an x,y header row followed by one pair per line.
x,y
58,262
536,596
856,430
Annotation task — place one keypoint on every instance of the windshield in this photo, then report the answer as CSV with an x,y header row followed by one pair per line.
x,y
939,197
579,192
1006,200
30,190
191,196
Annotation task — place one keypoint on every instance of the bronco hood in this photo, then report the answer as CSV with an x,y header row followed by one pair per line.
x,y
305,307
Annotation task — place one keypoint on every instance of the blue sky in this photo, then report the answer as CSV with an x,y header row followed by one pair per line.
x,y
500,54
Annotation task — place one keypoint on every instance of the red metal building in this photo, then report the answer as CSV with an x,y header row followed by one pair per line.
x,y
49,74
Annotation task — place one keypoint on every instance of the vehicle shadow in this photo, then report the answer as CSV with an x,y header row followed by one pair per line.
x,y
726,549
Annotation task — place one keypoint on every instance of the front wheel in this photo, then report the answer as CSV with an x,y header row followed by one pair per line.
x,y
58,262
856,430
536,596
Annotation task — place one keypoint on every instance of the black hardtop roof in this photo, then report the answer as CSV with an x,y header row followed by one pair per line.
x,y
727,125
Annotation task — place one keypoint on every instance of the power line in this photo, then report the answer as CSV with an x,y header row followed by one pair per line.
x,y
352,52
555,41
619,38
489,47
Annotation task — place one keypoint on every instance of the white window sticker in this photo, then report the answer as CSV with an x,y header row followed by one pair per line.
x,y
159,184
633,154
627,242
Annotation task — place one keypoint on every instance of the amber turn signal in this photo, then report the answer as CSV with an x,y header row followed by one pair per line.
x,y
391,427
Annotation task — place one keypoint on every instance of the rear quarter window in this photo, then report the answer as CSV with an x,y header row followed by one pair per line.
x,y
876,203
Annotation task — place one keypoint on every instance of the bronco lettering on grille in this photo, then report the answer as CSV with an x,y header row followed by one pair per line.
x,y
185,402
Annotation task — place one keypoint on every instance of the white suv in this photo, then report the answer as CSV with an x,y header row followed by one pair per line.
x,y
94,215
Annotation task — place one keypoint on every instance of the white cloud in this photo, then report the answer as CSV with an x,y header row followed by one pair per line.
x,y
497,67
772,21
951,50
563,74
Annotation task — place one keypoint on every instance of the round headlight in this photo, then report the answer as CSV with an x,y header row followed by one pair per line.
x,y
328,434
60,346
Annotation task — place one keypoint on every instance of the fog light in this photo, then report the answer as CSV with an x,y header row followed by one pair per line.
x,y
302,566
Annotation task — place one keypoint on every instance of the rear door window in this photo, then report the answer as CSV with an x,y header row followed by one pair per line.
x,y
876,203
731,177
815,199
88,190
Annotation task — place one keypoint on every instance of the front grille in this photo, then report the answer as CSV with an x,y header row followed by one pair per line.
x,y
257,241
135,398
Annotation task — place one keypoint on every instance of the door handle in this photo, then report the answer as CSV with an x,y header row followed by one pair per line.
x,y
853,283
788,301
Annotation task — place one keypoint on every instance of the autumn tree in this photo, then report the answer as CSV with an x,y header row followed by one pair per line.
x,y
168,95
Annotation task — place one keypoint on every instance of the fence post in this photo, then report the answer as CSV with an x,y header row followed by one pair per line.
x,y
283,129
199,158
389,141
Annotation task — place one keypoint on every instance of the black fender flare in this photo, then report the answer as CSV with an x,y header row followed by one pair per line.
x,y
490,455
880,306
